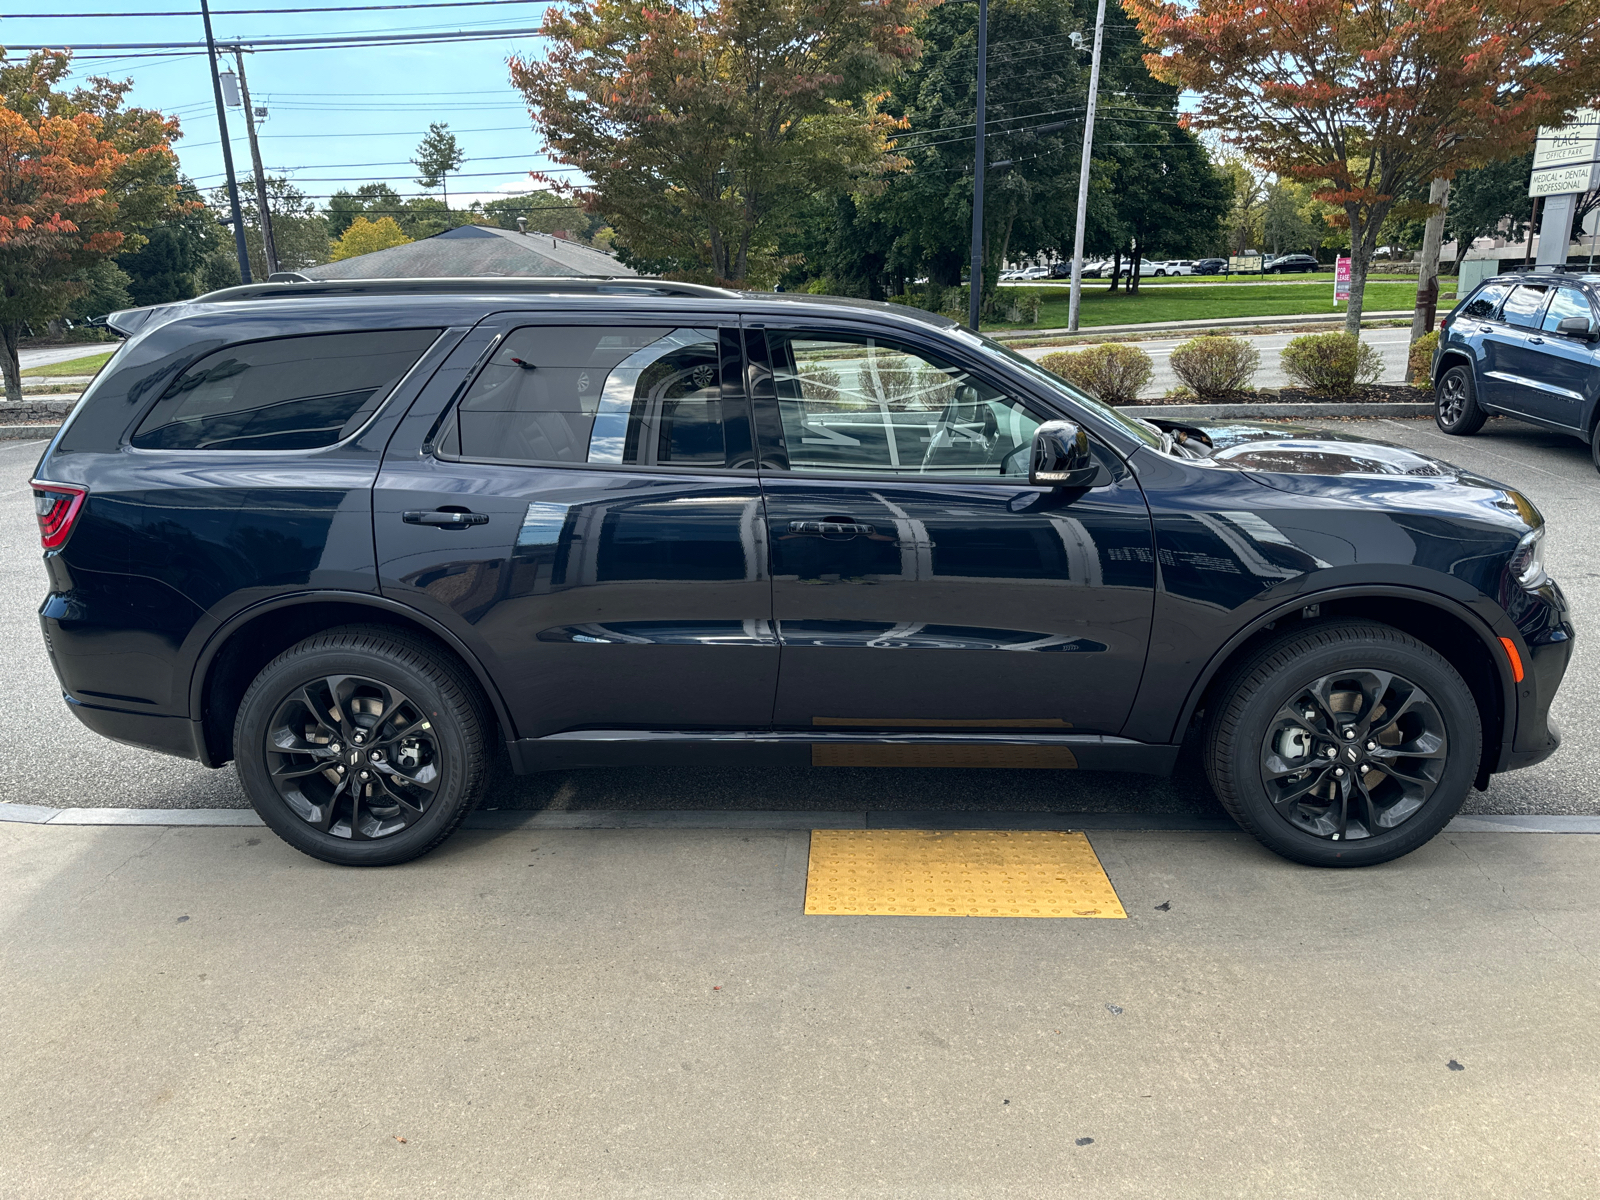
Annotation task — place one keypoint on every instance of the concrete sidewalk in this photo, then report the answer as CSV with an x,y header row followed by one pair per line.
x,y
203,1012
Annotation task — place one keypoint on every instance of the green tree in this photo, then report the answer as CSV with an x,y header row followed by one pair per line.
x,y
365,237
299,231
167,266
1290,222
1169,197
437,156
368,200
704,128
1493,199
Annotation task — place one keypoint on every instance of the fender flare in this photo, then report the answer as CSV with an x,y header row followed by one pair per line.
x,y
219,637
1472,620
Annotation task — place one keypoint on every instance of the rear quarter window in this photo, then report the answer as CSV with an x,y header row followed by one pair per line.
x,y
293,393
1485,301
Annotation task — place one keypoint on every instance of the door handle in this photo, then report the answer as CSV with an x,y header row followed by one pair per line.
x,y
1536,341
1485,328
830,528
446,519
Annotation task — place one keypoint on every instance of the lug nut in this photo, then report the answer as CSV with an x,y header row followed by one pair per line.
x,y
1349,733
1330,752
364,774
340,768
1372,745
376,756
358,739
335,747
1339,771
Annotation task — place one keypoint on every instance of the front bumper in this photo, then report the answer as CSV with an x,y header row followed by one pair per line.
x,y
1545,628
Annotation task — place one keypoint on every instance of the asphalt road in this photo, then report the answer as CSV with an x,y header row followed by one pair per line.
x,y
649,1013
47,758
1392,344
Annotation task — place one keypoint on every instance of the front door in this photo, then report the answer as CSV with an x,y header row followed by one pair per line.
x,y
919,582
588,518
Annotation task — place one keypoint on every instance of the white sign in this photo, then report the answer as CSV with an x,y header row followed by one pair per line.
x,y
1561,181
1569,145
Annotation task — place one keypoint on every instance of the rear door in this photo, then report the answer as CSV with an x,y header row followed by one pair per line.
x,y
919,581
587,517
1512,358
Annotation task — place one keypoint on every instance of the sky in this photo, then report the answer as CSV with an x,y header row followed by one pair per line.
x,y
337,117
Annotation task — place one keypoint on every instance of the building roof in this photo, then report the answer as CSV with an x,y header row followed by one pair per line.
x,y
475,250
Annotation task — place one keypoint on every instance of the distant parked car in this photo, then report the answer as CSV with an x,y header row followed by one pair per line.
x,y
1008,276
1174,266
1035,273
1210,266
1286,263
1146,268
1096,268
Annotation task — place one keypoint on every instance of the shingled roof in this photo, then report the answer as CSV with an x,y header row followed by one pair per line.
x,y
475,250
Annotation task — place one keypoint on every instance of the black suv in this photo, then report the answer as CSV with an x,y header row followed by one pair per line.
x,y
355,536
1526,345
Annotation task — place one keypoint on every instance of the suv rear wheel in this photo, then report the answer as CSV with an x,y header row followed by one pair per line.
x,y
362,746
1455,404
1343,744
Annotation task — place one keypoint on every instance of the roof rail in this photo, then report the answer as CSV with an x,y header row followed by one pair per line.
x,y
511,285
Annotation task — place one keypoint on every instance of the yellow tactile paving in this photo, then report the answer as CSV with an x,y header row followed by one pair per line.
x,y
956,873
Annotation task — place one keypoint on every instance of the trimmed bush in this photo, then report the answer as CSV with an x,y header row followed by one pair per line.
x,y
1421,360
1022,312
1216,366
1112,373
1332,364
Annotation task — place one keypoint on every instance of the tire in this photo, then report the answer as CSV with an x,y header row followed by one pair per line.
x,y
1280,785
1455,403
367,702
1594,445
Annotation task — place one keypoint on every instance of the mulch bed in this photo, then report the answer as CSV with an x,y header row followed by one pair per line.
x,y
1378,393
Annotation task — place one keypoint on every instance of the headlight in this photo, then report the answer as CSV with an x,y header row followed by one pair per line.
x,y
1527,561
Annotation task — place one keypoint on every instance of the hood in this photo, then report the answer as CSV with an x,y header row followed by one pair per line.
x,y
1300,450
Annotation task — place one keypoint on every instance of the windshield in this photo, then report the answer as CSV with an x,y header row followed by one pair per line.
x,y
1148,434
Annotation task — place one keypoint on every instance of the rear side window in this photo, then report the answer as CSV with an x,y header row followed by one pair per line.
x,y
1484,304
613,395
294,393
1524,305
1568,302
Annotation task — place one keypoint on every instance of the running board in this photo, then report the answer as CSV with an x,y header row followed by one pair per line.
x,y
656,748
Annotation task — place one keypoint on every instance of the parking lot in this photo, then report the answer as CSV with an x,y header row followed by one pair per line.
x,y
649,1012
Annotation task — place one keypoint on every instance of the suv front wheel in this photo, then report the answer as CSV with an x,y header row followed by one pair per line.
x,y
1343,744
362,746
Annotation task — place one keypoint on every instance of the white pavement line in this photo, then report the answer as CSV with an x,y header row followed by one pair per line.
x,y
505,819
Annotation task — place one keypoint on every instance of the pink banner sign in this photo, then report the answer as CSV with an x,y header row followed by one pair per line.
x,y
1341,280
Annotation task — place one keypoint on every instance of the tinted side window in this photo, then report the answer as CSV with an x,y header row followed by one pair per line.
x,y
1524,305
1568,302
294,393
859,404
1488,299
624,395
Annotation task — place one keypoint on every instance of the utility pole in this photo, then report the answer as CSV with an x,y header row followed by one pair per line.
x,y
227,151
1083,171
268,246
976,290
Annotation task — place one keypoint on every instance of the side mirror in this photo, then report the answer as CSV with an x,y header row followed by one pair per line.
x,y
1579,327
1060,457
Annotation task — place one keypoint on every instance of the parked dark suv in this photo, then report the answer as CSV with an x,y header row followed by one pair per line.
x,y
1526,345
355,536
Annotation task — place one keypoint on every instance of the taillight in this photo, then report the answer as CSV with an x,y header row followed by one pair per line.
x,y
57,506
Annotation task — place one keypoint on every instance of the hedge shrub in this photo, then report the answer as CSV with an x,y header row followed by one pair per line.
x,y
1332,364
1112,373
1216,366
1421,360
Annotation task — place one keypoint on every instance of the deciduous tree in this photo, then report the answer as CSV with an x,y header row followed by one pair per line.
x,y
80,176
364,237
1372,99
704,126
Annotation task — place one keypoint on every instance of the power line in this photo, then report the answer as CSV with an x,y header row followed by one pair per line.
x,y
252,12
295,42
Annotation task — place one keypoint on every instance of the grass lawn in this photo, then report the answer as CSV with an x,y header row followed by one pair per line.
x,y
87,365
1203,303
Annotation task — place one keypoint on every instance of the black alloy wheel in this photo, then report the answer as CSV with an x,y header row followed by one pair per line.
x,y
1455,403
363,746
1342,743
1354,754
353,757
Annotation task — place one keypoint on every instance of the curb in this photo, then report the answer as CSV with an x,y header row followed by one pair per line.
x,y
787,820
1001,335
1236,412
